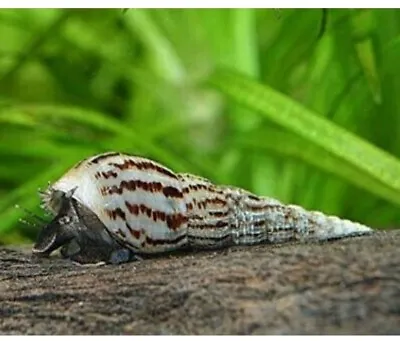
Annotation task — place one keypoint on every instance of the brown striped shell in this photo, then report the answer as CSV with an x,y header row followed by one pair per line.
x,y
116,199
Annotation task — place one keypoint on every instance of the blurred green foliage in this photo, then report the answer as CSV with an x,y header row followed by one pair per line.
x,y
280,102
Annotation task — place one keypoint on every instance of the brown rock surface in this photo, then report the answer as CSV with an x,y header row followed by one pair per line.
x,y
345,286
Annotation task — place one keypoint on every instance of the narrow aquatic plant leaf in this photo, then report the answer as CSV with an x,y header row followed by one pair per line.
x,y
288,145
291,115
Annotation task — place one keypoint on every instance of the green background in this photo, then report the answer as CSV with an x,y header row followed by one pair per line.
x,y
300,105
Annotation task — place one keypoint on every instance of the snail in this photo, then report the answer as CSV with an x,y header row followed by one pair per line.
x,y
114,207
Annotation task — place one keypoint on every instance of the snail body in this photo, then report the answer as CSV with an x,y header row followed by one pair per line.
x,y
112,207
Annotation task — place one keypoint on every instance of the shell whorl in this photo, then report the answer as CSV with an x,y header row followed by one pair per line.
x,y
139,201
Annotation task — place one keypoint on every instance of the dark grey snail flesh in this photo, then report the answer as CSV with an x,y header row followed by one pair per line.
x,y
80,235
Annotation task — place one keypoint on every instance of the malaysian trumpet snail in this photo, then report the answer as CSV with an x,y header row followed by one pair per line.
x,y
113,207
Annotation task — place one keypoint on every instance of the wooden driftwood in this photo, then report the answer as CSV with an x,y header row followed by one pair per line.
x,y
345,286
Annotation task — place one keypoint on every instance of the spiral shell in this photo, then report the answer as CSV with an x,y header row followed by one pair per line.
x,y
120,203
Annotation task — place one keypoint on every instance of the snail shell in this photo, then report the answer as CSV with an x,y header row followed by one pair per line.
x,y
114,206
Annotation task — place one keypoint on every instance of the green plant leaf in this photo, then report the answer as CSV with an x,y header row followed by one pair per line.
x,y
362,158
